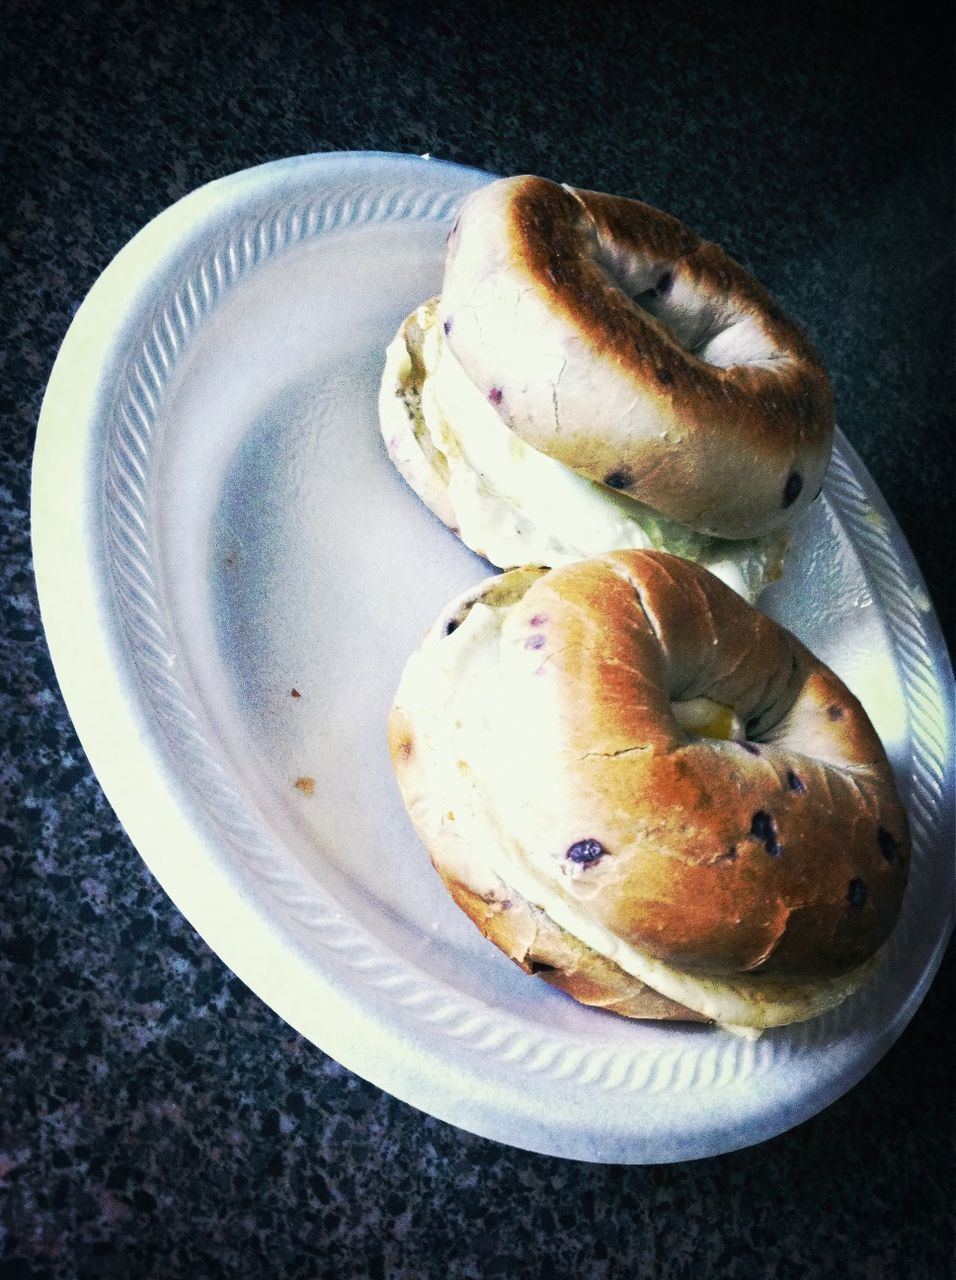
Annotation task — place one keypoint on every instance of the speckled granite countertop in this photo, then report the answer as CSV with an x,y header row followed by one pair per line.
x,y
156,1120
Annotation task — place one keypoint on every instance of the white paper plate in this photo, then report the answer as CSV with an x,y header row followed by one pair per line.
x,y
216,525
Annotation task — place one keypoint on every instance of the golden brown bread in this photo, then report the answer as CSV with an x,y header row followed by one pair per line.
x,y
548,707
608,335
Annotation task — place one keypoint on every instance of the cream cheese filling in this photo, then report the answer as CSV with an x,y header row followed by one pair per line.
x,y
448,686
515,505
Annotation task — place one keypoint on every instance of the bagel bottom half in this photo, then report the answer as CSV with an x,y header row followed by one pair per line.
x,y
650,795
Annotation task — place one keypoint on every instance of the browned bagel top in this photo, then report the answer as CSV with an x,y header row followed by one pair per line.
x,y
784,854
609,335
598,263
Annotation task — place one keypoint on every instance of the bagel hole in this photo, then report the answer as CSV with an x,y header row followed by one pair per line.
x,y
691,320
655,290
750,728
710,331
704,718
694,330
736,340
715,333
658,290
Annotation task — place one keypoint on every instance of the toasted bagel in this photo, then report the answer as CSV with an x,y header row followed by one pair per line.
x,y
608,335
646,790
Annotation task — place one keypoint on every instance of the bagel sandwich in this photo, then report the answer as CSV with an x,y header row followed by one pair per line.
x,y
651,795
594,376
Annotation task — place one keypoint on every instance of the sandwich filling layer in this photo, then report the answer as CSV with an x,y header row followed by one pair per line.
x,y
508,501
455,692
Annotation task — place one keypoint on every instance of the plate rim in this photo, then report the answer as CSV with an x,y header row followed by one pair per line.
x,y
138,779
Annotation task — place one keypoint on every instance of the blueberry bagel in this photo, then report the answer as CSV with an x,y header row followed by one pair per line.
x,y
594,375
649,793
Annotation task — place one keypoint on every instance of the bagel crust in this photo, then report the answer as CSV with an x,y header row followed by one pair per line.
x,y
551,743
609,336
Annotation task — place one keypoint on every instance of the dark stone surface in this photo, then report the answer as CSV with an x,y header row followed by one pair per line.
x,y
156,1120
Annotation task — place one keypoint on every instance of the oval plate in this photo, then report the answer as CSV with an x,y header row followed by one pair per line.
x,y
232,576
